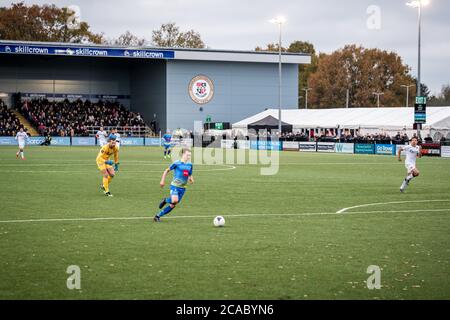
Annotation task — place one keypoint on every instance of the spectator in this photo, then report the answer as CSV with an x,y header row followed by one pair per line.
x,y
428,139
74,117
9,123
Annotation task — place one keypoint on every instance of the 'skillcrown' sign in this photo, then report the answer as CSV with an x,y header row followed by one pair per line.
x,y
85,51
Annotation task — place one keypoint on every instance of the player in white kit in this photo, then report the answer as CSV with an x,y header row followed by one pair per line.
x,y
115,133
21,137
412,151
101,136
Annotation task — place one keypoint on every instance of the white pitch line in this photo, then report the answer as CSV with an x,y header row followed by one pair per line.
x,y
211,217
383,203
83,172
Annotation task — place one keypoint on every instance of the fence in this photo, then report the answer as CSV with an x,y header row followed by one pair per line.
x,y
428,149
127,131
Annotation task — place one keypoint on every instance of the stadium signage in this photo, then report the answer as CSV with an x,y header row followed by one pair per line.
x,y
431,149
155,142
420,110
128,141
60,141
201,89
83,141
243,144
345,148
307,146
445,151
326,147
265,145
290,145
7,141
227,144
364,148
85,51
387,149
35,140
73,96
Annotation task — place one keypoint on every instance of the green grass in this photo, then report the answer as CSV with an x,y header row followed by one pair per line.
x,y
268,249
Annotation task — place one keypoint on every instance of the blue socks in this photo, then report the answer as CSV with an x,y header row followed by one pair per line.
x,y
165,211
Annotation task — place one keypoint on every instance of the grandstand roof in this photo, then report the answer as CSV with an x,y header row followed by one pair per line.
x,y
92,50
354,118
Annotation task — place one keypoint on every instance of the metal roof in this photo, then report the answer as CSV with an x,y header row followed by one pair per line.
x,y
178,53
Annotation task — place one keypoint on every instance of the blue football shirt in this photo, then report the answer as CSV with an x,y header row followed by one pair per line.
x,y
181,173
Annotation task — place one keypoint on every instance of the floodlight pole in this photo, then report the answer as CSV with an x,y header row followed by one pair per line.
x,y
407,93
306,97
279,78
378,94
419,87
347,99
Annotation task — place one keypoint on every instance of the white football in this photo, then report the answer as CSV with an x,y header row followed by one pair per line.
x,y
219,221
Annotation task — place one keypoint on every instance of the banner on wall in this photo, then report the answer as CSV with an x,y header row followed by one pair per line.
x,y
153,142
364,148
60,141
326,147
307,146
128,141
445,151
33,141
7,141
431,149
290,145
265,145
386,149
243,144
83,141
85,51
227,144
345,148
73,96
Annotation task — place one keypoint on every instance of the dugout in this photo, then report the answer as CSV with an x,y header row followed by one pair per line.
x,y
173,87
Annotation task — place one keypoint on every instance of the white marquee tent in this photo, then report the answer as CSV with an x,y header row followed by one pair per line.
x,y
366,120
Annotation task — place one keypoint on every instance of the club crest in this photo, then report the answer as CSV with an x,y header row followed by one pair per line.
x,y
201,89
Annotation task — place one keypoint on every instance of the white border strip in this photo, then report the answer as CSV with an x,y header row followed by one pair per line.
x,y
383,203
211,217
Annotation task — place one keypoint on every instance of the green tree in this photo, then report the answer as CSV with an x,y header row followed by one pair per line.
x,y
304,70
128,39
169,35
47,23
362,71
271,47
442,99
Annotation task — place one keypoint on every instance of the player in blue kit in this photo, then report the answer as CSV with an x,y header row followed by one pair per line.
x,y
182,174
167,144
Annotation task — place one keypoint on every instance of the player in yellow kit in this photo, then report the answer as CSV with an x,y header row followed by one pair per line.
x,y
108,167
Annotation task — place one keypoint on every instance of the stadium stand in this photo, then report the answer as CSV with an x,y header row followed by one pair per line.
x,y
73,118
9,123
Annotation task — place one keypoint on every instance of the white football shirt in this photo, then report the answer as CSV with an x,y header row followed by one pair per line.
x,y
21,136
101,137
411,154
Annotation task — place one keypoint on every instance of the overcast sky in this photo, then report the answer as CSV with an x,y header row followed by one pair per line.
x,y
328,24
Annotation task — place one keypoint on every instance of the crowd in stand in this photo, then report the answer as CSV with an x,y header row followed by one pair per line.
x,y
72,118
347,137
9,123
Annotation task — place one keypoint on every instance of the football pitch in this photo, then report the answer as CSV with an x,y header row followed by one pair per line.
x,y
283,239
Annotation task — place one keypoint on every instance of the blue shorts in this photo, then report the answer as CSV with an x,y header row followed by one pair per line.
x,y
177,191
167,146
